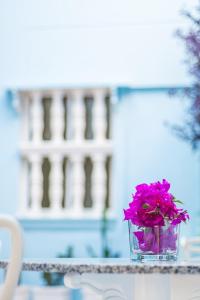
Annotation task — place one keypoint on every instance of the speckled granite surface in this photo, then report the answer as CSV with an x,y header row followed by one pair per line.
x,y
108,266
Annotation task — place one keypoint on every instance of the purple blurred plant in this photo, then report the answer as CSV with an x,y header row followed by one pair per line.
x,y
190,131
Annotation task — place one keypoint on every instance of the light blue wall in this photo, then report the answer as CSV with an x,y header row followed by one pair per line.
x,y
64,43
9,124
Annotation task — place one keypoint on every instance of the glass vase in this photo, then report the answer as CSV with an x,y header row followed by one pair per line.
x,y
154,243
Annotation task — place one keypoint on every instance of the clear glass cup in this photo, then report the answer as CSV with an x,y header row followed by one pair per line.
x,y
154,243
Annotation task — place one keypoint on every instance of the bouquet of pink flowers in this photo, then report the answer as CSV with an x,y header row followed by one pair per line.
x,y
153,205
152,208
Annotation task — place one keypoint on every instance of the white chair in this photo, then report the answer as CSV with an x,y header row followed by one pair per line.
x,y
14,267
191,248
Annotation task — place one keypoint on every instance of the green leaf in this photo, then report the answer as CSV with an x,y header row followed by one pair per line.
x,y
177,201
145,205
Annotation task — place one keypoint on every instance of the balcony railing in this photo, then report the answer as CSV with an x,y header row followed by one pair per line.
x,y
66,152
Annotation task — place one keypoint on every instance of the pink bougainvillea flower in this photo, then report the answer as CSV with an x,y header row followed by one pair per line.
x,y
181,217
153,205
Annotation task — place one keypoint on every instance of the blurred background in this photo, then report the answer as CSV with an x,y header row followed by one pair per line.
x,y
92,94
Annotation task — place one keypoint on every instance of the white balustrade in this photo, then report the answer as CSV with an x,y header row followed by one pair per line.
x,y
78,185
57,116
36,183
37,117
98,183
75,149
99,117
56,183
78,115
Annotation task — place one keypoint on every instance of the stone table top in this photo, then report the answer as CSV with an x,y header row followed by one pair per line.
x,y
106,266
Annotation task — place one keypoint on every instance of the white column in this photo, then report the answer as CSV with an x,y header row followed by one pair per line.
x,y
99,115
78,185
56,184
24,187
98,183
25,118
78,115
68,186
37,117
57,116
36,189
